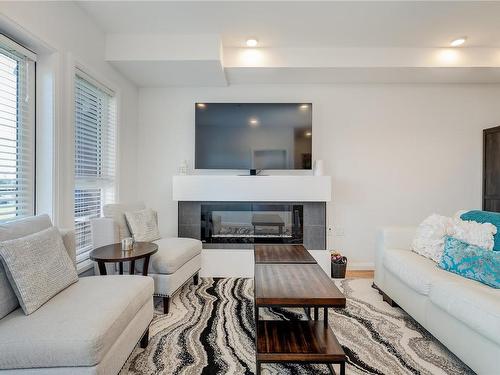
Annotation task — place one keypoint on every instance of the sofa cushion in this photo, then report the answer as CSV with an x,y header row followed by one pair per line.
x,y
116,211
75,328
38,267
471,232
173,253
10,231
429,237
143,225
412,269
472,262
475,304
485,217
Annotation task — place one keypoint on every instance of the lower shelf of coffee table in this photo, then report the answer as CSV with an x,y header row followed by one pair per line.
x,y
297,341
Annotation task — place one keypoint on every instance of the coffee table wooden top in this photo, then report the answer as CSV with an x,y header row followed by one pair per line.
x,y
282,254
297,341
114,252
295,285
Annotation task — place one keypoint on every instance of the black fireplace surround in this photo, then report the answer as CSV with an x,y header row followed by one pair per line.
x,y
243,224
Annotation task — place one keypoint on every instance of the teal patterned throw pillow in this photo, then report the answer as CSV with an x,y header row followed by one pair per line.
x,y
472,262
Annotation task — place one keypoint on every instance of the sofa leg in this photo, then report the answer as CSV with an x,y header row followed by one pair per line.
x,y
376,288
145,339
166,305
196,279
389,300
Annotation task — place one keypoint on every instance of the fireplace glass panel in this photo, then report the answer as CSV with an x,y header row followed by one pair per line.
x,y
251,223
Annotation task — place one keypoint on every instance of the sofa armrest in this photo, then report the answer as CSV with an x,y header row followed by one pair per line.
x,y
104,232
396,237
68,236
391,238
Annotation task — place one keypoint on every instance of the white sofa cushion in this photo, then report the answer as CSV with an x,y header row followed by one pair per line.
x,y
471,232
38,267
10,231
143,225
116,211
173,253
475,304
412,269
75,328
429,237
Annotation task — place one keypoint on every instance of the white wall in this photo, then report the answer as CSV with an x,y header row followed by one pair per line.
x,y
65,37
396,153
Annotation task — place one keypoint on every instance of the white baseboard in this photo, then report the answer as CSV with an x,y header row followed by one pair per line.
x,y
360,266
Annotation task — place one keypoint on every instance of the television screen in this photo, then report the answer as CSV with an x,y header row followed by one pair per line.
x,y
253,135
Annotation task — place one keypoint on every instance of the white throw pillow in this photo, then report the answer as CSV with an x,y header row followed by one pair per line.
x,y
473,233
38,267
143,225
429,239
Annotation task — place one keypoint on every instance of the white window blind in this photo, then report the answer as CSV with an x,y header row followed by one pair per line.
x,y
17,134
95,158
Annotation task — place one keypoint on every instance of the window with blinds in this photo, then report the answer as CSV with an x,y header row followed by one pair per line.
x,y
95,157
17,133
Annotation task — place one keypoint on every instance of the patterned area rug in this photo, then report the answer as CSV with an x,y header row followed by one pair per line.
x,y
210,330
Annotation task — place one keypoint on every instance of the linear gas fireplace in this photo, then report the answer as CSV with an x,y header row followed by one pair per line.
x,y
252,223
243,224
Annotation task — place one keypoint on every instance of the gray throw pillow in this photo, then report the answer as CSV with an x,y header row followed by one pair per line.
x,y
143,225
38,267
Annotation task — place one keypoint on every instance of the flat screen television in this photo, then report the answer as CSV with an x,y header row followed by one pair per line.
x,y
253,136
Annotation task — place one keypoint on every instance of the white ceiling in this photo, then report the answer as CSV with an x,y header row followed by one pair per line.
x,y
308,24
186,43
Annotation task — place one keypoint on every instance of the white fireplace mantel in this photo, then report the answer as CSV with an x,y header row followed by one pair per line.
x,y
252,188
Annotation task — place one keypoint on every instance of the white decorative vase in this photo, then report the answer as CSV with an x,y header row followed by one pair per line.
x,y
184,168
319,168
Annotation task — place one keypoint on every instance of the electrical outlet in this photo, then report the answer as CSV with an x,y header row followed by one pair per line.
x,y
339,231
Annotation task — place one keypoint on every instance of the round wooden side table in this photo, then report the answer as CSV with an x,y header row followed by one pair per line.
x,y
114,254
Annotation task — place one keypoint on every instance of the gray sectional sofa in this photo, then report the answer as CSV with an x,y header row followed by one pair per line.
x,y
91,327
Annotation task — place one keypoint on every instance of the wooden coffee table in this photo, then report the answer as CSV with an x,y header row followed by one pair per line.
x,y
311,341
114,254
282,254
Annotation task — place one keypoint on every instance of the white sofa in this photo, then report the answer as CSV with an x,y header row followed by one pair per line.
x,y
91,327
173,265
463,314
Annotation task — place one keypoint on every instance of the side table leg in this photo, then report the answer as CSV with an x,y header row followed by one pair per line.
x,y
316,313
120,267
102,268
146,265
257,367
132,267
326,316
342,368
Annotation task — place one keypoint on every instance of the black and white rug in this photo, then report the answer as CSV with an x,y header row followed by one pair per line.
x,y
210,330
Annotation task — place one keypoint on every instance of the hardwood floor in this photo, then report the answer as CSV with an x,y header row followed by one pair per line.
x,y
360,274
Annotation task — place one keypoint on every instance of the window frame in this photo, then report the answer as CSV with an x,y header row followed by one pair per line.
x,y
16,49
83,72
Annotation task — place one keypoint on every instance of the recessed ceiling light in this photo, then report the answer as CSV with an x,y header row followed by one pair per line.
x,y
253,122
308,134
458,42
252,42
304,106
201,105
